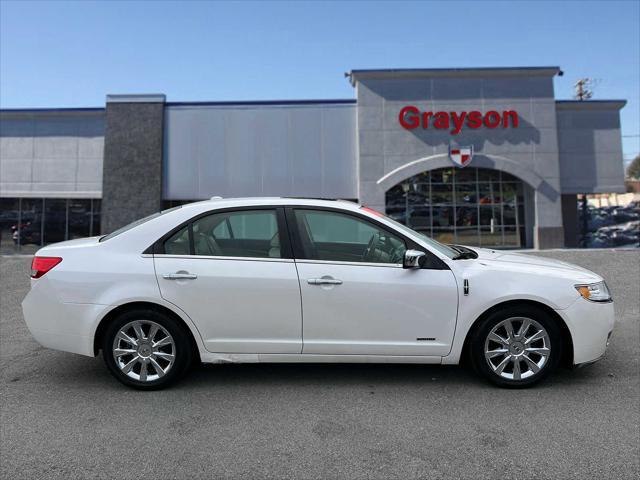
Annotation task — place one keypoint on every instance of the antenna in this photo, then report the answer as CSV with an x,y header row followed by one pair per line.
x,y
583,89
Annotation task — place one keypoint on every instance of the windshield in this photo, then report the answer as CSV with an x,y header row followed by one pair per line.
x,y
445,250
136,223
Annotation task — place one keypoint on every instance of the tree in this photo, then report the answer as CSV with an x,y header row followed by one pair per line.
x,y
633,170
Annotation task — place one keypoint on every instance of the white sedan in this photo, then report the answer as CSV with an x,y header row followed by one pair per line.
x,y
304,280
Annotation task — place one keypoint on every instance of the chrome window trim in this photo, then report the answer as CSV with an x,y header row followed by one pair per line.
x,y
222,257
280,260
355,264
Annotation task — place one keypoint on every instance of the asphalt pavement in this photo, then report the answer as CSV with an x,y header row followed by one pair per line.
x,y
64,416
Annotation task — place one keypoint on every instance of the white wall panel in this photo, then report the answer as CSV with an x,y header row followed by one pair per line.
x,y
51,153
256,150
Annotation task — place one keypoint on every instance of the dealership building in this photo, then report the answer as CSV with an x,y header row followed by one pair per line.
x,y
477,156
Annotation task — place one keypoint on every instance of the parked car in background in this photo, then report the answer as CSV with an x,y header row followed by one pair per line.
x,y
610,226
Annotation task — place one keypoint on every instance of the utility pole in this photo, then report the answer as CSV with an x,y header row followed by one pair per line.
x,y
583,89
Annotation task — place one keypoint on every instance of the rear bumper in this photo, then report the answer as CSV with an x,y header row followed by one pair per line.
x,y
590,325
69,327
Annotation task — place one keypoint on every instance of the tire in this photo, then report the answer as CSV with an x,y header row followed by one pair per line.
x,y
524,358
146,350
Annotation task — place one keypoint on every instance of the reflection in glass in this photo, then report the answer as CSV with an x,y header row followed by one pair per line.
x,y
490,215
486,175
95,217
443,216
79,218
467,236
9,216
467,216
442,175
441,194
30,228
443,235
490,237
489,193
28,223
508,215
420,217
467,175
55,220
512,236
466,193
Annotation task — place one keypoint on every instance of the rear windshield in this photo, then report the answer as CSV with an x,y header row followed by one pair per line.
x,y
136,223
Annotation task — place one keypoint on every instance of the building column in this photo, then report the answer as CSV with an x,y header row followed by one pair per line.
x,y
548,231
570,220
132,171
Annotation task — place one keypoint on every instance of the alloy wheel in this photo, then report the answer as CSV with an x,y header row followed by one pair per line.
x,y
144,350
517,348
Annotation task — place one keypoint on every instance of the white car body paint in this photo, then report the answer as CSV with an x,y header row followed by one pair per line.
x,y
264,310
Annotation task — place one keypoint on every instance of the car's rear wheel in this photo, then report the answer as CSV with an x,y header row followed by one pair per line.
x,y
147,350
517,346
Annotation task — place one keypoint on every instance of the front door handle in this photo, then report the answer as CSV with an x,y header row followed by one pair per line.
x,y
324,281
179,276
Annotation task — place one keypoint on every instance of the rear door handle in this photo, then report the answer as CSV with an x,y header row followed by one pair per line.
x,y
324,281
179,276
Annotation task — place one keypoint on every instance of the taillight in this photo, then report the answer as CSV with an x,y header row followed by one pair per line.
x,y
41,265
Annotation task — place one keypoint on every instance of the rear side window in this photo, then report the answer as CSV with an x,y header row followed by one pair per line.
x,y
178,243
248,233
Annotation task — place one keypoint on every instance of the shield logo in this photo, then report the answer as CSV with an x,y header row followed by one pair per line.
x,y
461,156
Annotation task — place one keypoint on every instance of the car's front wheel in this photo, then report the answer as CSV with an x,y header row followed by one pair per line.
x,y
145,349
516,346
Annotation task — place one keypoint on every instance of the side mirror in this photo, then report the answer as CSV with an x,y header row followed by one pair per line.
x,y
413,259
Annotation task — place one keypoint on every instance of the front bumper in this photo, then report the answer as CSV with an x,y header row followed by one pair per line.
x,y
590,325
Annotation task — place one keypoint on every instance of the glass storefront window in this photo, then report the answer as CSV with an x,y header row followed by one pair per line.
x,y
467,175
95,217
79,218
420,217
26,224
9,217
466,193
30,227
486,175
470,206
512,236
467,236
55,220
490,215
467,216
441,194
442,175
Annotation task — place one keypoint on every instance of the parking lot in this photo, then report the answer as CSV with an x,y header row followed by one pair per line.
x,y
64,416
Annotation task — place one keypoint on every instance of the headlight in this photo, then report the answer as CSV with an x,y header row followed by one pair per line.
x,y
594,292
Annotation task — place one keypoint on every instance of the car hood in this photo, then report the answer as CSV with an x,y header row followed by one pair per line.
x,y
534,264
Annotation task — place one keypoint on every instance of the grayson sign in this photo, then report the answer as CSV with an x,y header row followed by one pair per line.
x,y
411,117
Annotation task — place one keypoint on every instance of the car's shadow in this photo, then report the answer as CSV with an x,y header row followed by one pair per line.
x,y
365,374
63,370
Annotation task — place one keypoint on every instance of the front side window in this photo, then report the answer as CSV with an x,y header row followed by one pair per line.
x,y
334,236
250,233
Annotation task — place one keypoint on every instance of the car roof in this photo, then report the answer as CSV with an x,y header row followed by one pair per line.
x,y
216,202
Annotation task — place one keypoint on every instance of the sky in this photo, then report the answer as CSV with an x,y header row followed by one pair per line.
x,y
71,54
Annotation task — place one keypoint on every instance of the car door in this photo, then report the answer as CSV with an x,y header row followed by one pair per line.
x,y
356,296
232,272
